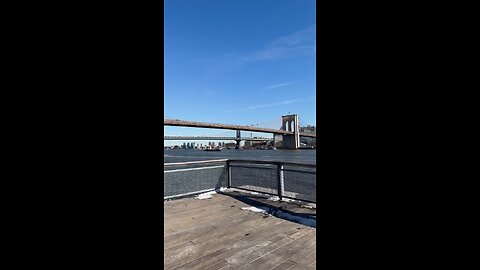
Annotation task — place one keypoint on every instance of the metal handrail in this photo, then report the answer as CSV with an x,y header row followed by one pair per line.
x,y
279,167
273,162
280,172
195,162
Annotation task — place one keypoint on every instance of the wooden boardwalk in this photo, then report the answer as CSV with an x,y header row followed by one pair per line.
x,y
217,234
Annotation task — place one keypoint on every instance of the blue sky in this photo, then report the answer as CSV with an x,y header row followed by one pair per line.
x,y
239,62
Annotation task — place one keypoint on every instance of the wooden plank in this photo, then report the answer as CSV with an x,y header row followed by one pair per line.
x,y
211,210
300,233
266,236
253,254
212,214
228,215
214,241
305,253
214,235
256,235
188,204
307,262
210,259
189,221
195,211
202,225
210,217
241,261
216,266
228,207
277,256
244,224
193,233
195,207
284,265
177,245
208,238
206,208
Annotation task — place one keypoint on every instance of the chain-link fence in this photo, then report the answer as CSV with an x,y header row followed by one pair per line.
x,y
189,178
283,179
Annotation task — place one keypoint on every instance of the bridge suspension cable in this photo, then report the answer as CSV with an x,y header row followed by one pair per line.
x,y
303,123
275,123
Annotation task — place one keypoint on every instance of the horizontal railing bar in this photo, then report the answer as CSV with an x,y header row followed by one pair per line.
x,y
274,194
243,161
262,192
194,169
272,168
252,167
273,162
287,170
195,162
188,194
298,199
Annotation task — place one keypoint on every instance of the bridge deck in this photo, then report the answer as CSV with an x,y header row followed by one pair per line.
x,y
179,138
183,123
217,234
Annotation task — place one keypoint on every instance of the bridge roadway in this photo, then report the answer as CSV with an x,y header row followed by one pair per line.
x,y
183,123
187,138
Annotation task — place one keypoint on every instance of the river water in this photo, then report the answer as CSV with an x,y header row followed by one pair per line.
x,y
183,155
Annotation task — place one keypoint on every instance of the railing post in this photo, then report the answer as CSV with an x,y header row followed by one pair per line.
x,y
280,180
229,175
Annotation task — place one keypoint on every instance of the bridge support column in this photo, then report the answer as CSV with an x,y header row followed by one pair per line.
x,y
238,140
291,141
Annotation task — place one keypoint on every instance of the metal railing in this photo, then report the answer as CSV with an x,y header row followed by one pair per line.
x,y
190,178
283,179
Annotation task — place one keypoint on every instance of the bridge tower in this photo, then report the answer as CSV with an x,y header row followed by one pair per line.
x,y
290,123
238,140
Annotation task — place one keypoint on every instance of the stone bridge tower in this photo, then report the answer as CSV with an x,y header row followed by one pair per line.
x,y
290,123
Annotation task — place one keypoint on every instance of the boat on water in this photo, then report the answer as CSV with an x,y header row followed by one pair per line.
x,y
213,149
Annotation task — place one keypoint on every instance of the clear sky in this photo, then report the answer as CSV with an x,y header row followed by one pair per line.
x,y
239,62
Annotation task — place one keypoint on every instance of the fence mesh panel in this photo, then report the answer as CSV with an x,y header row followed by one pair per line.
x,y
300,183
184,179
181,180
255,177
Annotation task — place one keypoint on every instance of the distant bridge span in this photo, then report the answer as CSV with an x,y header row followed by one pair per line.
x,y
195,138
183,123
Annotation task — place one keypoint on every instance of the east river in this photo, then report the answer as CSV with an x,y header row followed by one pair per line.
x,y
183,155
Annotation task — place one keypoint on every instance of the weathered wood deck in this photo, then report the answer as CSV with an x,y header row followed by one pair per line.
x,y
216,234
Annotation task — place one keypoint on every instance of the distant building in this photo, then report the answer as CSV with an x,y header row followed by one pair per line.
x,y
229,145
308,129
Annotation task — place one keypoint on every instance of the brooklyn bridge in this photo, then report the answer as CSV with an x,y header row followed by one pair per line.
x,y
288,135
